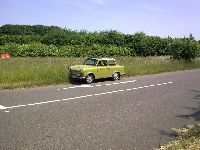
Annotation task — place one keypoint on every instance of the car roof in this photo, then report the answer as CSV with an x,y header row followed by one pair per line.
x,y
101,58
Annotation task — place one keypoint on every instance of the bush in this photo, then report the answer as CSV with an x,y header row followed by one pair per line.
x,y
42,50
186,49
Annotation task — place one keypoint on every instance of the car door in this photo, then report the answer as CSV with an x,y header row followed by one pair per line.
x,y
102,69
112,67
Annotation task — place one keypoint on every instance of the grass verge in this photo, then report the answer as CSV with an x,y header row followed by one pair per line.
x,y
31,72
189,139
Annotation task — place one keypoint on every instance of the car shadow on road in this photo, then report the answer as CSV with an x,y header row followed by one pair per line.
x,y
80,82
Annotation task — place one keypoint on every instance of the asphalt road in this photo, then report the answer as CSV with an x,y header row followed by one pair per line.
x,y
132,113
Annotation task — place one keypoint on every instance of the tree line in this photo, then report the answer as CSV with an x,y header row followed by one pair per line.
x,y
40,40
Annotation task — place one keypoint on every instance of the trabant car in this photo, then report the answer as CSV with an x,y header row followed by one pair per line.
x,y
96,68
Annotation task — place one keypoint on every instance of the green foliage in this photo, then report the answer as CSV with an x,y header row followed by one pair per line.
x,y
9,29
67,43
41,50
19,39
186,49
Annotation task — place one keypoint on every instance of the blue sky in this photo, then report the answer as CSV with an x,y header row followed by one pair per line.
x,y
176,18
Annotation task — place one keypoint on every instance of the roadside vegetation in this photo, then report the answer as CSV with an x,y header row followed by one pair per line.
x,y
188,139
38,71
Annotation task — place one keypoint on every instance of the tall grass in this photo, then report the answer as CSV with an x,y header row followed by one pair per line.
x,y
30,72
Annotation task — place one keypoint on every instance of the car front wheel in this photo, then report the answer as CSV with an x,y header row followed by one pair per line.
x,y
116,76
89,79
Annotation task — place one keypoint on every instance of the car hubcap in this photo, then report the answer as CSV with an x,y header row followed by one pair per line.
x,y
89,79
116,76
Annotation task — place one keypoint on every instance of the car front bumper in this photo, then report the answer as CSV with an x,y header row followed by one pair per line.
x,y
76,77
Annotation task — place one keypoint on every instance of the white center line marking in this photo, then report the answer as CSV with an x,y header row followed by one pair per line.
x,y
22,105
128,89
108,84
115,83
146,86
120,90
64,99
15,106
50,101
71,98
122,82
114,91
109,92
44,102
36,104
73,87
87,86
57,100
27,104
102,93
78,97
89,95
83,96
131,81
2,107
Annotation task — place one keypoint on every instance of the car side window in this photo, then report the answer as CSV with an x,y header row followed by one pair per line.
x,y
102,63
111,63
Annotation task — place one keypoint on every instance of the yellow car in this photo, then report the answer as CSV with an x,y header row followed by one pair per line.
x,y
96,68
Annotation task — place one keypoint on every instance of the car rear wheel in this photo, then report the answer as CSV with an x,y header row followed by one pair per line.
x,y
89,79
116,76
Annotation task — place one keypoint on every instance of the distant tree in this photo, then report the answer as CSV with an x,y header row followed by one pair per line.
x,y
185,48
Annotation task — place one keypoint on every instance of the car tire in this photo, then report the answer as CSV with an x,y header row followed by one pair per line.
x,y
116,76
89,79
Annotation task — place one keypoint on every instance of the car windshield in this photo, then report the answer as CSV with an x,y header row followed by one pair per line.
x,y
91,62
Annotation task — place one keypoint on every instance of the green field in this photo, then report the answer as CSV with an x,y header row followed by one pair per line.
x,y
31,72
